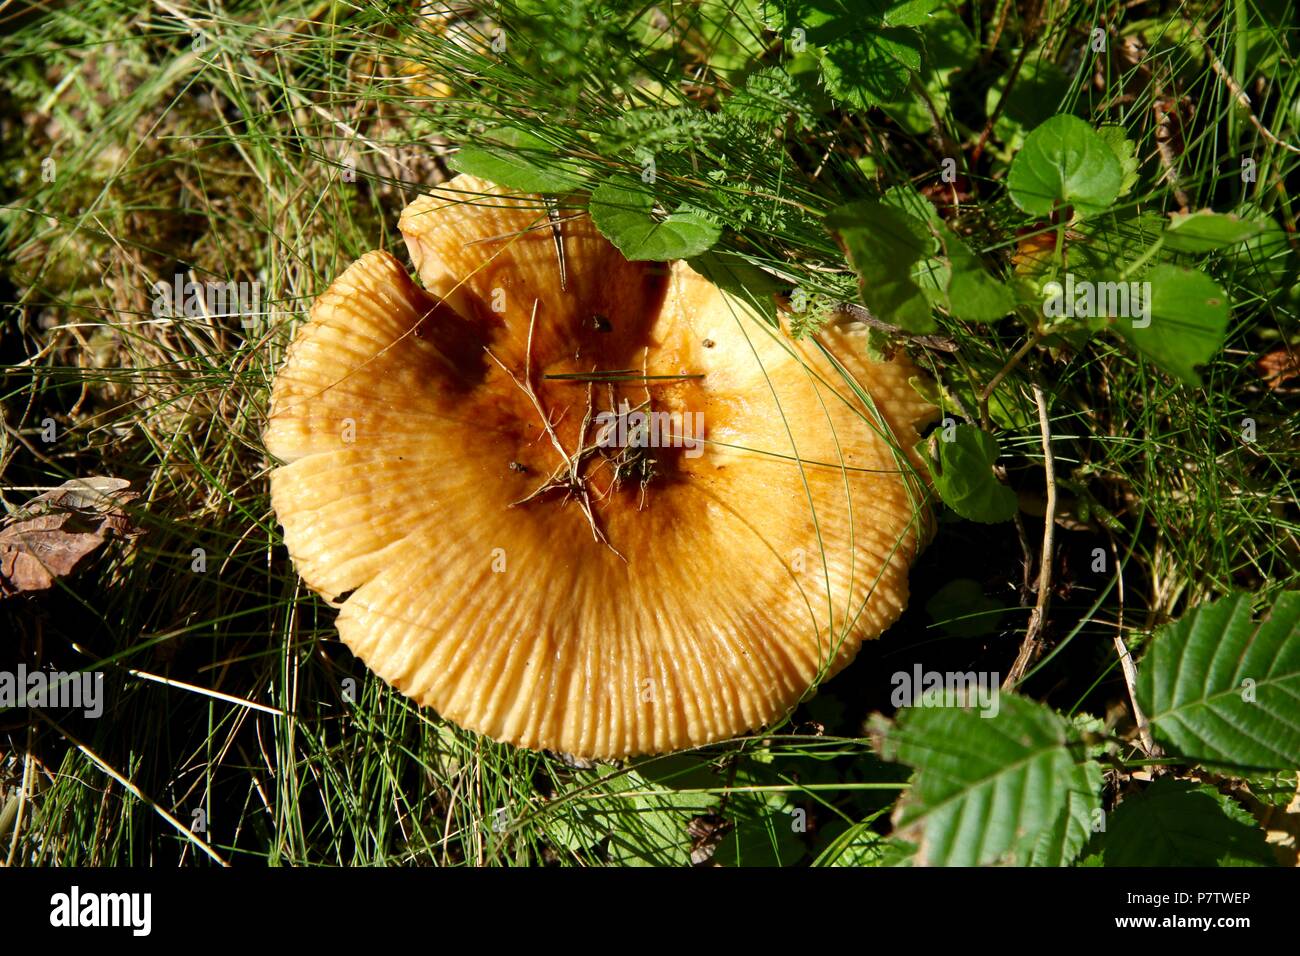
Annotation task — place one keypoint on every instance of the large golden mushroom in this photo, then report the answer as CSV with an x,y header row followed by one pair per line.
x,y
469,475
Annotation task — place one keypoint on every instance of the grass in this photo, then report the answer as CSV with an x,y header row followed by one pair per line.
x,y
227,155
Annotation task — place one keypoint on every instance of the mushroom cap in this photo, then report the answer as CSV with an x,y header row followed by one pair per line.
x,y
698,596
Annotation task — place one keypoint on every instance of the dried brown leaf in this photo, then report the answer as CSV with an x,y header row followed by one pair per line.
x,y
57,530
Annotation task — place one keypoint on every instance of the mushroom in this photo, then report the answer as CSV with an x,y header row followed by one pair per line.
x,y
608,537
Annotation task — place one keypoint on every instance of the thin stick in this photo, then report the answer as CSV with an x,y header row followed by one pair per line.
x,y
1003,372
1038,617
1126,660
574,483
1235,89
557,233
135,791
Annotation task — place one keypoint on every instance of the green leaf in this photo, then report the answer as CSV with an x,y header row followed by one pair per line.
x,y
1060,844
1205,231
884,246
1181,823
1064,161
769,96
911,13
871,68
824,20
973,294
623,215
1188,320
949,48
1125,151
961,609
964,476
522,161
855,845
988,789
1038,91
1193,684
644,820
763,835
742,279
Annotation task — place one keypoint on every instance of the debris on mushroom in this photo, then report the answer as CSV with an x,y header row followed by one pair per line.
x,y
701,516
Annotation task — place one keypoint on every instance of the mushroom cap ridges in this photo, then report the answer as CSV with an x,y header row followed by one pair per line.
x,y
742,575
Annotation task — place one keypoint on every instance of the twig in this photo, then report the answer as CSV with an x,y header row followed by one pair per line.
x,y
1030,645
1126,660
557,233
1235,88
1002,100
1002,373
573,481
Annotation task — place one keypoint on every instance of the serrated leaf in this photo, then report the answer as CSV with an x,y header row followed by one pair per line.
x,y
769,96
1191,684
1060,844
870,68
1181,823
964,476
522,161
1064,162
885,245
911,13
1188,320
1205,231
623,215
985,789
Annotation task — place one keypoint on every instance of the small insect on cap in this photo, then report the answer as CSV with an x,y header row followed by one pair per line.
x,y
605,538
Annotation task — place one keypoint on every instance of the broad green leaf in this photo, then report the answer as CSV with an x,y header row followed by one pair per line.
x,y
949,48
1181,823
1064,161
986,789
1205,231
1276,789
1060,844
1037,94
822,21
647,821
973,293
522,161
763,834
1219,687
962,609
908,198
1265,262
885,246
1125,151
623,215
644,820
870,68
1113,240
1187,322
964,476
911,13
